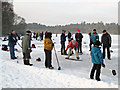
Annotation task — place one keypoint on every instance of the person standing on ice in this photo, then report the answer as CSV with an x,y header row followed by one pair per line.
x,y
63,39
97,60
94,37
26,48
72,45
48,46
69,36
106,41
11,43
78,37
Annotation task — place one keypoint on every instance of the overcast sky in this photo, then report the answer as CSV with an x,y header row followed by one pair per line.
x,y
54,12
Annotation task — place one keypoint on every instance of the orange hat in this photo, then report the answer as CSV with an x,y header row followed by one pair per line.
x,y
78,30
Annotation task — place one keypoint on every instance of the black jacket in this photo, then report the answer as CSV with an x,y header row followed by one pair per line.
x,y
12,40
78,37
63,37
106,40
69,35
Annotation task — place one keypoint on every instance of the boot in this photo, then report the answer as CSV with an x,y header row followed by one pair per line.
x,y
67,58
77,58
65,53
51,67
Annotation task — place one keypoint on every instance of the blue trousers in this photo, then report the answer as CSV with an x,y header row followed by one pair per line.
x,y
12,51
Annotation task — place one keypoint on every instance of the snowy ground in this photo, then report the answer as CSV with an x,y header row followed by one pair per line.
x,y
74,74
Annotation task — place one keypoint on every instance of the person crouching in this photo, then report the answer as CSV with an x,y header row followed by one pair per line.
x,y
97,60
72,45
48,46
26,48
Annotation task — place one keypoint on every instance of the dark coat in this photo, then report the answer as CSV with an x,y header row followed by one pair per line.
x,y
12,40
69,35
63,37
78,37
106,40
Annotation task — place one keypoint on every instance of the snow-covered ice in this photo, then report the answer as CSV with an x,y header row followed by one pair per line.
x,y
74,74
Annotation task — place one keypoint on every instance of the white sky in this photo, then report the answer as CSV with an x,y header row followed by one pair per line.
x,y
54,12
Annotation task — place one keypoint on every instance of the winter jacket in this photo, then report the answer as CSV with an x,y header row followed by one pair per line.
x,y
69,35
48,44
12,40
26,41
78,37
70,45
63,37
94,37
96,55
106,40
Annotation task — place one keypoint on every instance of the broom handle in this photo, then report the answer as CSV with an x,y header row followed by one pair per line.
x,y
56,57
108,68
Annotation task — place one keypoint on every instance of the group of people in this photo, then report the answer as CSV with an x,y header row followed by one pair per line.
x,y
96,55
36,35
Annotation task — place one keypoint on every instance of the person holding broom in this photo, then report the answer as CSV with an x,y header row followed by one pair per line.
x,y
48,46
97,60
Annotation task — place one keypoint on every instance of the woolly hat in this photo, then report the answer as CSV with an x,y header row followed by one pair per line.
x,y
94,29
28,31
104,31
48,35
63,31
73,41
78,30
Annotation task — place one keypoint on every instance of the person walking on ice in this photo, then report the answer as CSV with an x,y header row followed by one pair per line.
x,y
97,60
72,45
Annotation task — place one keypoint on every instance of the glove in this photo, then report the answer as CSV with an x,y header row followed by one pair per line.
x,y
29,50
103,65
53,44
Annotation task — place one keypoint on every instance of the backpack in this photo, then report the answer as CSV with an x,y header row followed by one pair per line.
x,y
4,47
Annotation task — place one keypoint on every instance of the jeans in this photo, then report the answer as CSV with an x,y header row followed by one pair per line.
x,y
12,51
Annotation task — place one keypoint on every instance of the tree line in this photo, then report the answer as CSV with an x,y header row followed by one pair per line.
x,y
83,27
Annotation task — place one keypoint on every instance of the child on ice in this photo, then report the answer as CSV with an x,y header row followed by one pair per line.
x,y
97,60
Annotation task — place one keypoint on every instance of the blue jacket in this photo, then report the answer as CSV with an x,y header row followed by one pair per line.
x,y
94,37
96,55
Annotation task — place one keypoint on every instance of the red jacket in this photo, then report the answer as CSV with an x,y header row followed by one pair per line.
x,y
71,45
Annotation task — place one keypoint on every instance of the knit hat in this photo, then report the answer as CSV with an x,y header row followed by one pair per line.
x,y
48,35
97,43
28,31
104,31
73,41
94,29
78,30
63,31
